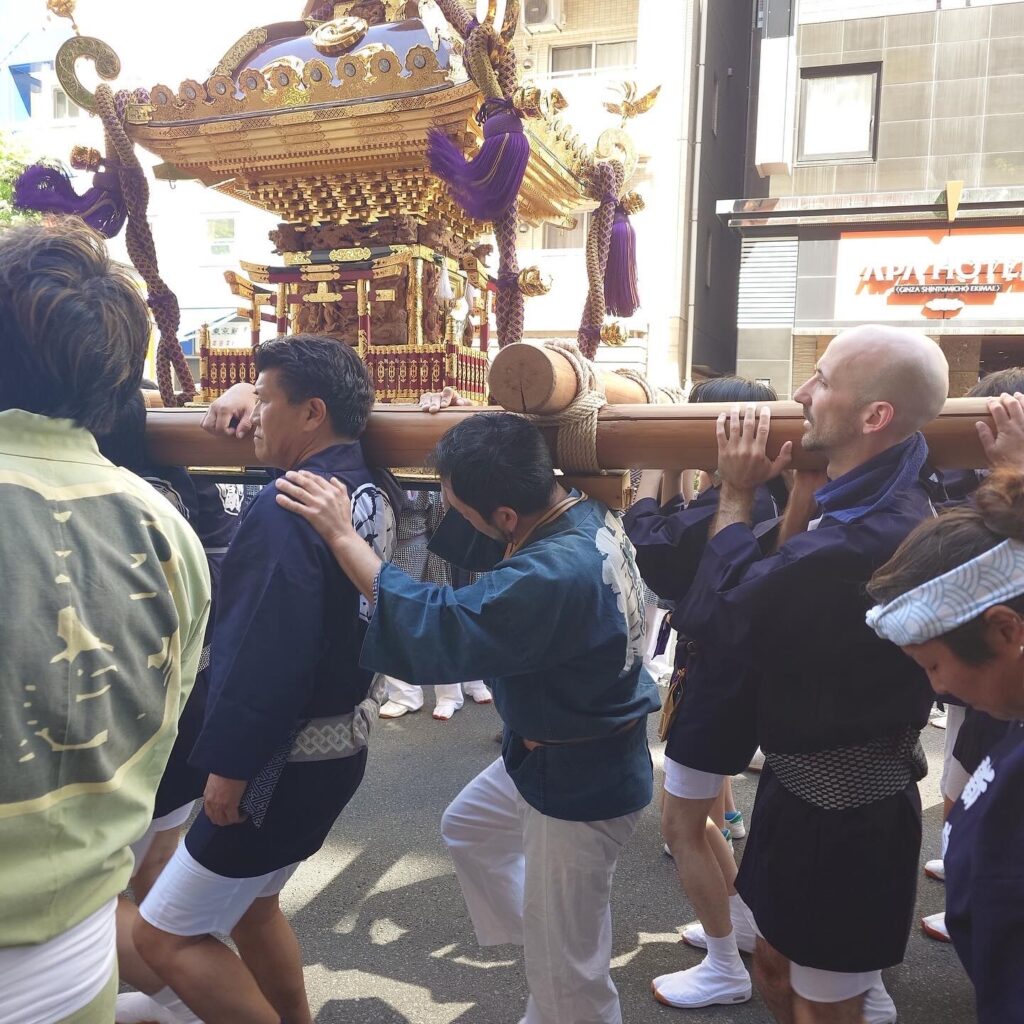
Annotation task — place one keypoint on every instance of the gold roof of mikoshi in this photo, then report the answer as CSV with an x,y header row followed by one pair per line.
x,y
327,121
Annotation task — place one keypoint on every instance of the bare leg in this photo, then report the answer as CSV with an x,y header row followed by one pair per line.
x,y
723,856
717,812
771,977
270,950
730,803
131,967
684,824
208,977
849,1011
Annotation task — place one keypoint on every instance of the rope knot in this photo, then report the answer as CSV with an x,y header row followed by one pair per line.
x,y
576,425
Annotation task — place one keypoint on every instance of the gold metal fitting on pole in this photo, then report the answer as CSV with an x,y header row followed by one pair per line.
x,y
533,282
85,158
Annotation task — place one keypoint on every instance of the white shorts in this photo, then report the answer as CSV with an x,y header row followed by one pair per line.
x,y
954,775
188,899
48,982
163,824
689,783
817,986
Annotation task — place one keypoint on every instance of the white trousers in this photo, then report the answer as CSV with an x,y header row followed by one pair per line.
x,y
954,775
412,696
545,884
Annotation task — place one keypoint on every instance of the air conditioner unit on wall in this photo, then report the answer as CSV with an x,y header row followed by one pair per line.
x,y
543,16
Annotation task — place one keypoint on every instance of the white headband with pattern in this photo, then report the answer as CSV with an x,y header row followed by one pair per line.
x,y
953,599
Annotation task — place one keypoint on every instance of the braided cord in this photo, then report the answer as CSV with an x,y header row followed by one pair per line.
x,y
142,250
654,395
607,182
457,16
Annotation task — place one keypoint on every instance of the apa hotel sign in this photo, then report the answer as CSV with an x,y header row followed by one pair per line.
x,y
966,273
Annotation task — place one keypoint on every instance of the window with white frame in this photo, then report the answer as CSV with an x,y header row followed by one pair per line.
x,y
838,112
63,106
220,235
582,58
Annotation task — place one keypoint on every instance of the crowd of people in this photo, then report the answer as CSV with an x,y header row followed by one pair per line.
x,y
818,617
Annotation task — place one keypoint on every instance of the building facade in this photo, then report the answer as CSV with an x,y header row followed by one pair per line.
x,y
691,155
889,183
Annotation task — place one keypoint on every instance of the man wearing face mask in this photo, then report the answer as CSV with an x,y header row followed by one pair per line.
x,y
556,629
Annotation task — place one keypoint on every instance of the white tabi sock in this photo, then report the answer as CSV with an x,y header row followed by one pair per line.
x,y
724,955
169,1000
742,918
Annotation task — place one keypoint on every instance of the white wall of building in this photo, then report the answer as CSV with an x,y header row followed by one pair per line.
x,y
655,45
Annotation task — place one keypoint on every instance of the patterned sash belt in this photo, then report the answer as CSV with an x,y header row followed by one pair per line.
x,y
338,736
320,739
848,777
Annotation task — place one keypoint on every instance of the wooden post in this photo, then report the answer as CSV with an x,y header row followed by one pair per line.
x,y
640,436
530,378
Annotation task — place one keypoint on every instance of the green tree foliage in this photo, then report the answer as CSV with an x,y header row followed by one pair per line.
x,y
12,162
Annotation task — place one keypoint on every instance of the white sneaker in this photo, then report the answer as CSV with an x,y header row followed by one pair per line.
x,y
445,709
934,926
735,824
935,869
136,1007
702,985
746,937
878,1006
392,709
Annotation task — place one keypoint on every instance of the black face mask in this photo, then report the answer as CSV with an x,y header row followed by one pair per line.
x,y
457,541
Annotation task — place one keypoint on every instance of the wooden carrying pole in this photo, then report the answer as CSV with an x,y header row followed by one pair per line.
x,y
628,436
529,378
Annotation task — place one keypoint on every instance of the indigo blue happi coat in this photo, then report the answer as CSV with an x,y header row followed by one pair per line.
x,y
286,641
984,861
825,681
557,631
715,728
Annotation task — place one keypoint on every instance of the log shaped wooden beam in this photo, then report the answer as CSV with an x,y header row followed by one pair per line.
x,y
530,378
628,436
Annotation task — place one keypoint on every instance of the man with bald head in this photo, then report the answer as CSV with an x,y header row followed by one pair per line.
x,y
830,866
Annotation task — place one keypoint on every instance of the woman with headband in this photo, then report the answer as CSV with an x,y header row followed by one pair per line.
x,y
953,598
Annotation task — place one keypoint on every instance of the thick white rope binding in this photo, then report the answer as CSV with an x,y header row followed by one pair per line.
x,y
576,443
576,425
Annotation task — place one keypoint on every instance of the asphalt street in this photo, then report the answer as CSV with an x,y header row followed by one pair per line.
x,y
385,935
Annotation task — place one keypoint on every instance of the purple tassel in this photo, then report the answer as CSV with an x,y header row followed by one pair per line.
x,y
621,297
49,190
486,186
